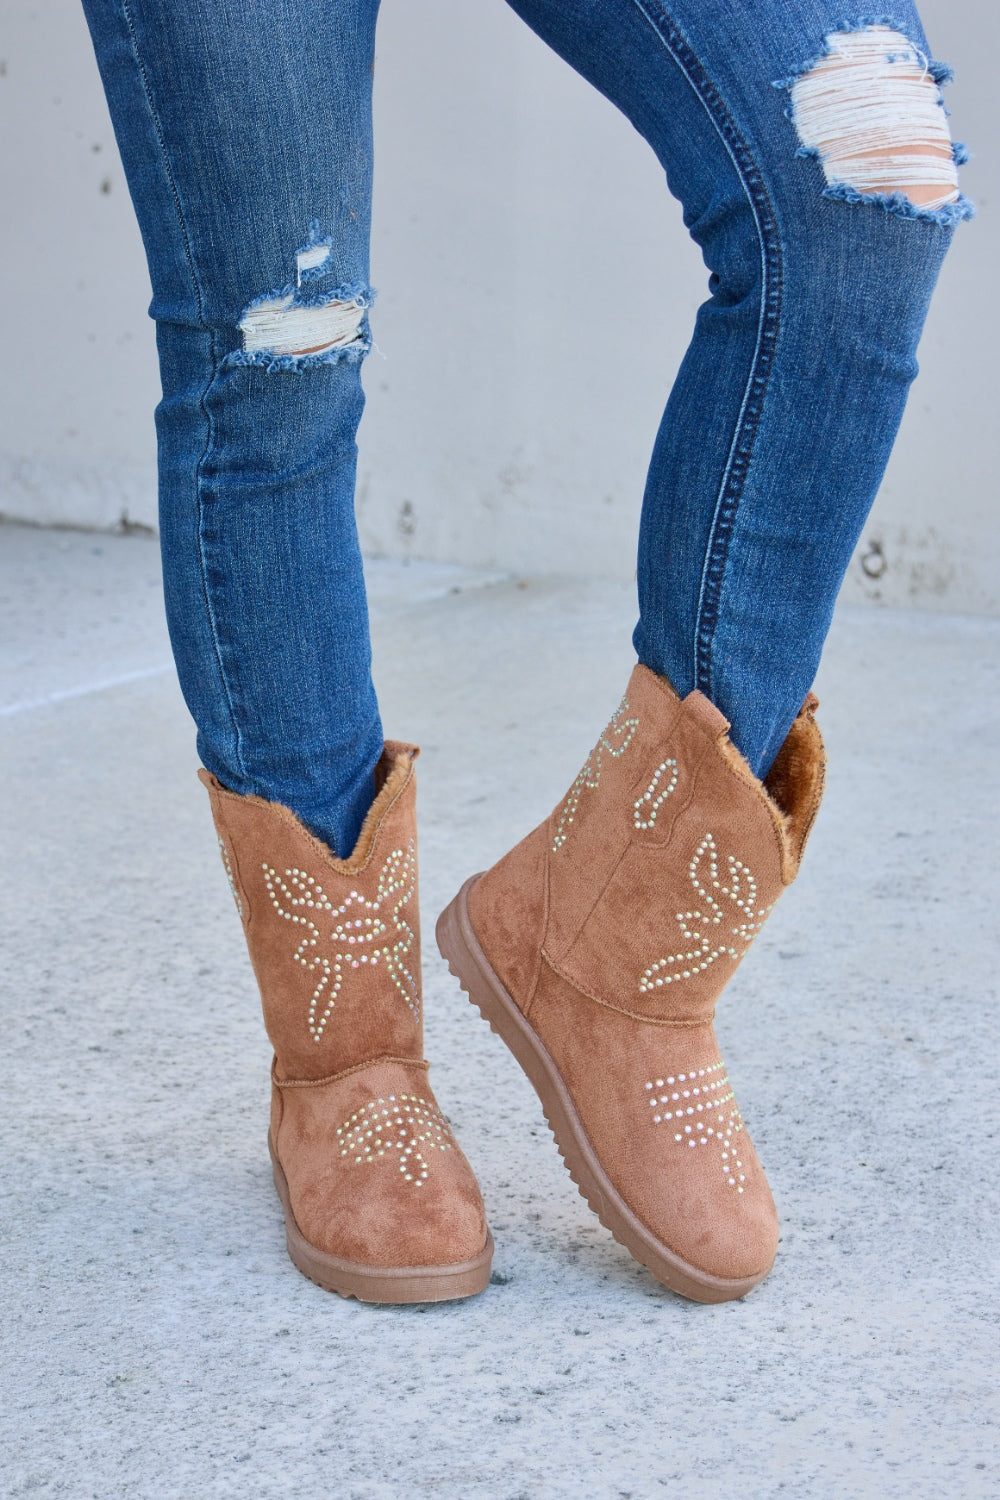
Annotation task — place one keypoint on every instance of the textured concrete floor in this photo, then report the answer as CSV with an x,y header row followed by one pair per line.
x,y
157,1341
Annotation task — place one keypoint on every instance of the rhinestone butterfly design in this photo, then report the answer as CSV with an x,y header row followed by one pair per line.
x,y
364,933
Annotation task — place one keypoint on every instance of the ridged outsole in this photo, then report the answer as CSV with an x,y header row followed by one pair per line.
x,y
397,1285
466,960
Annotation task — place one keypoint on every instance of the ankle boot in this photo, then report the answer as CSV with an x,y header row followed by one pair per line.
x,y
597,949
380,1204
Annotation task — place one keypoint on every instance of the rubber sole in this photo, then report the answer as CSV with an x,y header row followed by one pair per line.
x,y
385,1284
460,947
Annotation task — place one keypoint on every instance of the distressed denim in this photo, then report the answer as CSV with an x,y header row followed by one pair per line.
x,y
245,132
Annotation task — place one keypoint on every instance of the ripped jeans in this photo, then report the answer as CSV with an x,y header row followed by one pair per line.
x,y
809,149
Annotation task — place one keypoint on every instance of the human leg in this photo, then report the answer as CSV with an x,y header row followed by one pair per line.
x,y
247,143
599,945
780,423
247,147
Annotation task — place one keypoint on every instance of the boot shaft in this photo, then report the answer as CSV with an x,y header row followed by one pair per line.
x,y
653,875
335,943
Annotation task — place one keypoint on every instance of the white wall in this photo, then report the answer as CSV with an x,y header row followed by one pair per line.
x,y
511,417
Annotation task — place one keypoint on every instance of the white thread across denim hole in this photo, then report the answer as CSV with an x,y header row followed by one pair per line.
x,y
311,322
870,109
278,327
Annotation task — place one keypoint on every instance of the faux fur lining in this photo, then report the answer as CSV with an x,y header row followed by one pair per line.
x,y
739,763
393,771
795,780
792,788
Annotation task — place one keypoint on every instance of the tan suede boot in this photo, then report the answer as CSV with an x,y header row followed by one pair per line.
x,y
597,949
380,1204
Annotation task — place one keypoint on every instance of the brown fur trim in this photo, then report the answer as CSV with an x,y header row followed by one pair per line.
x,y
795,780
393,771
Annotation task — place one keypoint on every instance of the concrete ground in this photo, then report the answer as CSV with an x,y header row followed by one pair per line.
x,y
156,1340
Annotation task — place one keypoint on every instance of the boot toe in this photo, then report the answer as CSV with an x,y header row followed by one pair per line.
x,y
374,1174
656,1121
718,1228
372,1219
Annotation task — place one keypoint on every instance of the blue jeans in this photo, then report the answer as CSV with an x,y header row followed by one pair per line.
x,y
246,139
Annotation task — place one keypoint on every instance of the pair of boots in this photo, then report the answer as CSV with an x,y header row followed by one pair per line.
x,y
596,948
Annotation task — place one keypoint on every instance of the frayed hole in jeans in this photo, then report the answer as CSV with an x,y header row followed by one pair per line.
x,y
280,326
313,321
870,110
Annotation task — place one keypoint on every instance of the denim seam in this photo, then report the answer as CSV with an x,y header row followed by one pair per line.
x,y
738,458
203,397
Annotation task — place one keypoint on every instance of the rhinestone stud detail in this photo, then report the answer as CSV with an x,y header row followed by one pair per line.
x,y
614,742
663,781
364,933
707,929
700,1108
399,1122
227,866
